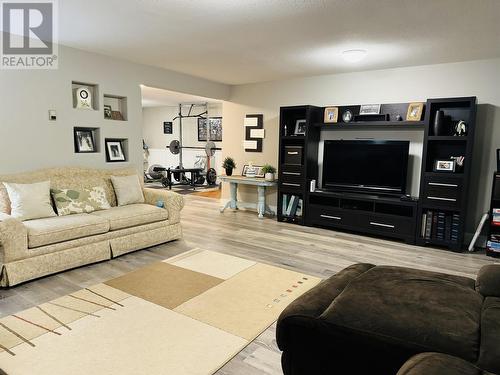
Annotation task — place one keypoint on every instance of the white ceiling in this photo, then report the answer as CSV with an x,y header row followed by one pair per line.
x,y
242,41
153,97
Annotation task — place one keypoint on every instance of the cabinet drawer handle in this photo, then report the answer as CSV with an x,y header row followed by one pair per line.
x,y
289,184
441,184
331,217
382,225
442,199
292,173
292,152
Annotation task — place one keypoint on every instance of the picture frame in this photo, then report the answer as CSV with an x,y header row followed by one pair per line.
x,y
331,115
215,129
347,116
107,112
415,111
167,127
300,127
370,109
257,169
114,151
498,159
447,166
84,140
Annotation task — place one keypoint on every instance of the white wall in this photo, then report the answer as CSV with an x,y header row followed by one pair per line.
x,y
153,118
475,78
29,141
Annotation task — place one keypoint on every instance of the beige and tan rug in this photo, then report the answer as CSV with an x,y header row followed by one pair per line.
x,y
186,315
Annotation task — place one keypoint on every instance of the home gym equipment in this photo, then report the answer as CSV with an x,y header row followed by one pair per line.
x,y
175,147
210,148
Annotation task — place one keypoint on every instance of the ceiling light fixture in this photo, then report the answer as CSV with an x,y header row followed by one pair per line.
x,y
354,55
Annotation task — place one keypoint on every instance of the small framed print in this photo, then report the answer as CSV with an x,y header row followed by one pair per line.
x,y
300,127
84,140
114,151
252,171
369,109
331,115
445,166
107,111
414,111
167,127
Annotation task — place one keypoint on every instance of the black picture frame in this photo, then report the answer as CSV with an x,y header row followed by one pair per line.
x,y
114,151
108,112
215,127
84,140
498,159
167,127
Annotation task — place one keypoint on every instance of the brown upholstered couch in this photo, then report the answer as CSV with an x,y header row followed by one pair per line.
x,y
40,247
372,319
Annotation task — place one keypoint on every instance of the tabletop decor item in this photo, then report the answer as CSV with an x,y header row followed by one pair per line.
x,y
445,166
269,172
229,164
460,129
415,111
439,124
331,115
369,109
300,127
347,116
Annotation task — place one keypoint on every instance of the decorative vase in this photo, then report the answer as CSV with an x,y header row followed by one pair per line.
x,y
229,171
439,123
269,177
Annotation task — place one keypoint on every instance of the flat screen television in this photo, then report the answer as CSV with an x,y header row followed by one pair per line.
x,y
377,167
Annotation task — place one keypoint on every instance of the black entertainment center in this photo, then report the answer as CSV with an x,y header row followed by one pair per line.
x,y
363,186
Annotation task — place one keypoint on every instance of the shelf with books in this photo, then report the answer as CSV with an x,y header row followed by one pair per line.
x,y
440,226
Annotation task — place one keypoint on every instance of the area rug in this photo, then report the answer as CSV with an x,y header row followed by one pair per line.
x,y
189,314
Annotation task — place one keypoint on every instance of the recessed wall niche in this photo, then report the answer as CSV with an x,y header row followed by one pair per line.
x,y
115,107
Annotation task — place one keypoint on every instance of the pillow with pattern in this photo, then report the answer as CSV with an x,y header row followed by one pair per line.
x,y
72,201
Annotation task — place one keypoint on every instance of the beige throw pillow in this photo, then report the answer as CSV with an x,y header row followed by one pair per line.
x,y
30,201
128,189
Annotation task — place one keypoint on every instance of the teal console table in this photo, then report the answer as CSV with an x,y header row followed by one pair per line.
x,y
261,206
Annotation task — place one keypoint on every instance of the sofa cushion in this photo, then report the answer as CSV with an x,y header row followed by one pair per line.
x,y
427,311
128,189
52,230
439,364
132,215
30,201
78,201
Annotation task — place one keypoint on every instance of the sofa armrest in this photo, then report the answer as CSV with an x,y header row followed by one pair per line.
x,y
488,280
13,239
173,202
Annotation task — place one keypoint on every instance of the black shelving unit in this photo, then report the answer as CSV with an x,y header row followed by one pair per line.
x,y
379,215
493,244
294,174
443,195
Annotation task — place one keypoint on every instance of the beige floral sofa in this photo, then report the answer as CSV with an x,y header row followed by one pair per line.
x,y
40,247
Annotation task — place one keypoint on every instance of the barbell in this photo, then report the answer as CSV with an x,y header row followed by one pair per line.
x,y
210,148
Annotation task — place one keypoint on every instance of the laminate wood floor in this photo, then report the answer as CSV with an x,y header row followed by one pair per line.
x,y
314,251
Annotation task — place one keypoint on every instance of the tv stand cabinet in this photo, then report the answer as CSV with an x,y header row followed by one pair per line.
x,y
377,215
438,219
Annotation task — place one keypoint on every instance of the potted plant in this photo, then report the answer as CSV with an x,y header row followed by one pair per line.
x,y
269,172
229,165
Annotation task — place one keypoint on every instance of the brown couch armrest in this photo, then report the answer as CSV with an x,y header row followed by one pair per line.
x,y
13,239
488,280
173,202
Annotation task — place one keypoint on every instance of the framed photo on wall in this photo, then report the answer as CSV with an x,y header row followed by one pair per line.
x,y
84,140
114,151
215,129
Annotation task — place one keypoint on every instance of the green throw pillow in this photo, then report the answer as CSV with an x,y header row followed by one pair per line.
x,y
71,201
